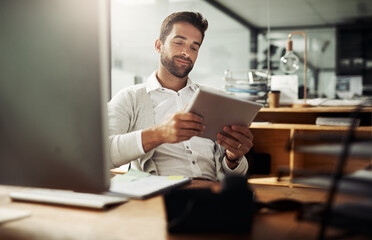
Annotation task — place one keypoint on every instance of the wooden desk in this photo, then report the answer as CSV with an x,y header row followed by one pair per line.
x,y
284,122
146,219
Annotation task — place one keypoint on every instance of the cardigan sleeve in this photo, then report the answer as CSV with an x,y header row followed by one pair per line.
x,y
241,169
221,167
123,139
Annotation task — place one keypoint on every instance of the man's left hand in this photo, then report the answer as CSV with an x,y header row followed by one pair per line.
x,y
237,141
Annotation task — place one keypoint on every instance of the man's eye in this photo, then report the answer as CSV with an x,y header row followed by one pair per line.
x,y
178,43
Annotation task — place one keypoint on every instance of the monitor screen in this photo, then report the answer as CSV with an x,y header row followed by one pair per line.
x,y
54,77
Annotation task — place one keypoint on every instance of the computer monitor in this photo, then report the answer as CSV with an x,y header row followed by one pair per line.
x,y
54,77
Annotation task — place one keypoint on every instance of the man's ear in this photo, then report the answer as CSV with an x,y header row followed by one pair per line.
x,y
158,45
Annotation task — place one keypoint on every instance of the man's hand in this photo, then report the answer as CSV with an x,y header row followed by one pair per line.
x,y
237,141
180,126
177,127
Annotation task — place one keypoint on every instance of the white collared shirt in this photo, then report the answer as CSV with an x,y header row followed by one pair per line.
x,y
194,157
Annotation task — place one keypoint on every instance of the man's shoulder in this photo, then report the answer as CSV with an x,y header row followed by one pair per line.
x,y
132,91
135,88
131,96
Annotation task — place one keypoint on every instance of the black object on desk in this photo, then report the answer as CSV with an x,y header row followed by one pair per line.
x,y
259,163
201,210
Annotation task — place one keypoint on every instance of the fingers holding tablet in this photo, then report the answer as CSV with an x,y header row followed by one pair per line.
x,y
237,140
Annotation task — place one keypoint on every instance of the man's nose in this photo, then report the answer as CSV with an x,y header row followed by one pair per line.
x,y
185,52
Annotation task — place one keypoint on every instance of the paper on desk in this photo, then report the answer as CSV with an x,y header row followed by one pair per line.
x,y
121,170
131,175
334,102
287,85
137,184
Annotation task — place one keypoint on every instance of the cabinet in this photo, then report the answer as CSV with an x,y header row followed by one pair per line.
x,y
354,52
274,127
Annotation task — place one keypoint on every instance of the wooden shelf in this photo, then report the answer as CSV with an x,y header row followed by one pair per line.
x,y
358,149
278,126
294,126
315,109
308,115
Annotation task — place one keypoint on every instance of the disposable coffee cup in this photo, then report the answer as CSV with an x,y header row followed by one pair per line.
x,y
274,97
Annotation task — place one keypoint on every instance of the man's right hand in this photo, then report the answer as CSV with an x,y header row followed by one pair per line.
x,y
177,127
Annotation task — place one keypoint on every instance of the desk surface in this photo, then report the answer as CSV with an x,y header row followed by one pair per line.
x,y
145,219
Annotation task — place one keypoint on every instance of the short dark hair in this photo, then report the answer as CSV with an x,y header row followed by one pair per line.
x,y
194,18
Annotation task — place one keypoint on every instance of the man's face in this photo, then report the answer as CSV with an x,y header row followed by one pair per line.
x,y
180,50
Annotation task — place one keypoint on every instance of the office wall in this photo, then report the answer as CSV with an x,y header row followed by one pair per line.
x,y
136,26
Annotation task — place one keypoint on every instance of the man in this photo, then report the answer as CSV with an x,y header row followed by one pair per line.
x,y
147,124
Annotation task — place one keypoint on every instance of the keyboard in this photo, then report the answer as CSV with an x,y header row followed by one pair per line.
x,y
68,198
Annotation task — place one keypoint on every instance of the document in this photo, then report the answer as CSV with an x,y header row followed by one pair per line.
x,y
141,185
288,87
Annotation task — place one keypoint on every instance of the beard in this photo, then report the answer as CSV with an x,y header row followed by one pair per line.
x,y
170,65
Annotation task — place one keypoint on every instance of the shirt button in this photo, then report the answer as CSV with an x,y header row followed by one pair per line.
x,y
193,162
187,147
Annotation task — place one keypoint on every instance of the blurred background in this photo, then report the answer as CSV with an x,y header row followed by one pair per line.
x,y
251,34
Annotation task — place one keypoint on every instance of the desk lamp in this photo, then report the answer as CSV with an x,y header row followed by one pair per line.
x,y
289,63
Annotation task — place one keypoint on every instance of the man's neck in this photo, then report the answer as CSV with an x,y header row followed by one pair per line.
x,y
170,81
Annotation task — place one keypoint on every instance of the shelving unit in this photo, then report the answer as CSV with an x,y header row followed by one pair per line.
x,y
276,126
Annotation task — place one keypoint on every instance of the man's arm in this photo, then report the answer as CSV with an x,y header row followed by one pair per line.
x,y
177,127
126,116
126,146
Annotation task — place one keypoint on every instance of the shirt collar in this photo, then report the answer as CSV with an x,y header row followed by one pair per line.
x,y
153,84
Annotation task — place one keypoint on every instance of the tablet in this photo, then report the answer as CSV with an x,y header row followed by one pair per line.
x,y
219,109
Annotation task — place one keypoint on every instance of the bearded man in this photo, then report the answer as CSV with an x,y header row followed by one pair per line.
x,y
147,123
